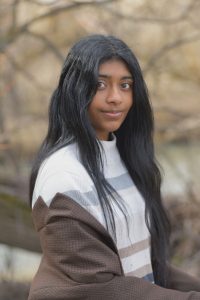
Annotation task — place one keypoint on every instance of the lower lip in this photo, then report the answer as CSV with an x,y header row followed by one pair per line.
x,y
113,115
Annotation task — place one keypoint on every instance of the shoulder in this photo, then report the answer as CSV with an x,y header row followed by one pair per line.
x,y
64,159
59,173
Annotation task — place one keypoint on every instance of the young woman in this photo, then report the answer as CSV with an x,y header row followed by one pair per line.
x,y
95,186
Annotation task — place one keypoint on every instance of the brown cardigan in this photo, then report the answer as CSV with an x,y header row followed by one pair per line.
x,y
80,261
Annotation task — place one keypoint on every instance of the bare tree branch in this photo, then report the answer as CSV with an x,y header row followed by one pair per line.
x,y
181,128
165,21
51,12
188,124
14,15
48,43
24,72
169,46
55,2
170,110
59,9
42,3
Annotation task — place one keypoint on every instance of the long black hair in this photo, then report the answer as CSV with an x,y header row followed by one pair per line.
x,y
69,122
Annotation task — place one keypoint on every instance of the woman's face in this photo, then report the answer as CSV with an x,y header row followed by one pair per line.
x,y
113,99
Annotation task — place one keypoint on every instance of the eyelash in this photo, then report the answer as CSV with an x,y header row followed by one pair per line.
x,y
122,85
127,83
98,84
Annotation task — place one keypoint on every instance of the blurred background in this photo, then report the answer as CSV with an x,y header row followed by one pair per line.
x,y
35,38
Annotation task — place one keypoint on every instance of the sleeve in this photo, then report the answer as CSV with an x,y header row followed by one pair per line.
x,y
182,281
80,260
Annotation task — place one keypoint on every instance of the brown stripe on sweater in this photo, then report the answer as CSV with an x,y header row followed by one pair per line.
x,y
134,248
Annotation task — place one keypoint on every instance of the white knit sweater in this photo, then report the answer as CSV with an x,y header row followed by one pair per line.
x,y
63,172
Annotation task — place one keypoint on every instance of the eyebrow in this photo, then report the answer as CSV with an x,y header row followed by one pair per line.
x,y
122,78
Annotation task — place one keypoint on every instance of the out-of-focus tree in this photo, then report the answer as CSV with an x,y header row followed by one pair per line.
x,y
35,37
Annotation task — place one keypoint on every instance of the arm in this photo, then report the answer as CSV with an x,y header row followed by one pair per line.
x,y
81,262
181,281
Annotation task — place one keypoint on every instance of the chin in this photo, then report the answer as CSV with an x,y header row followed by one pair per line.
x,y
113,129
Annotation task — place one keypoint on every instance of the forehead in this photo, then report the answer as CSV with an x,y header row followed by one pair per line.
x,y
114,66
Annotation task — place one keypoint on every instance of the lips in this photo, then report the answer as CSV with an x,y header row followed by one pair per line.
x,y
112,114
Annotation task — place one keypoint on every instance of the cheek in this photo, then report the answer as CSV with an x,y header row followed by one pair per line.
x,y
94,106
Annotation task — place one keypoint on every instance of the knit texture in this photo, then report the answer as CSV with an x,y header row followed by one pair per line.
x,y
80,260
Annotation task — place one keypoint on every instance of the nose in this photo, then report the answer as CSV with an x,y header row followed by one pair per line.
x,y
114,95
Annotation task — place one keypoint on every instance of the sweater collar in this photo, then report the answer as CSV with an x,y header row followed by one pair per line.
x,y
109,151
110,144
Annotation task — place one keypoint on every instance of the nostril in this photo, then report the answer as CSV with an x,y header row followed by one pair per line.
x,y
114,99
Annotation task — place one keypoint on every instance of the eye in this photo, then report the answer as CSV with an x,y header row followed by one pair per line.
x,y
126,85
101,85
